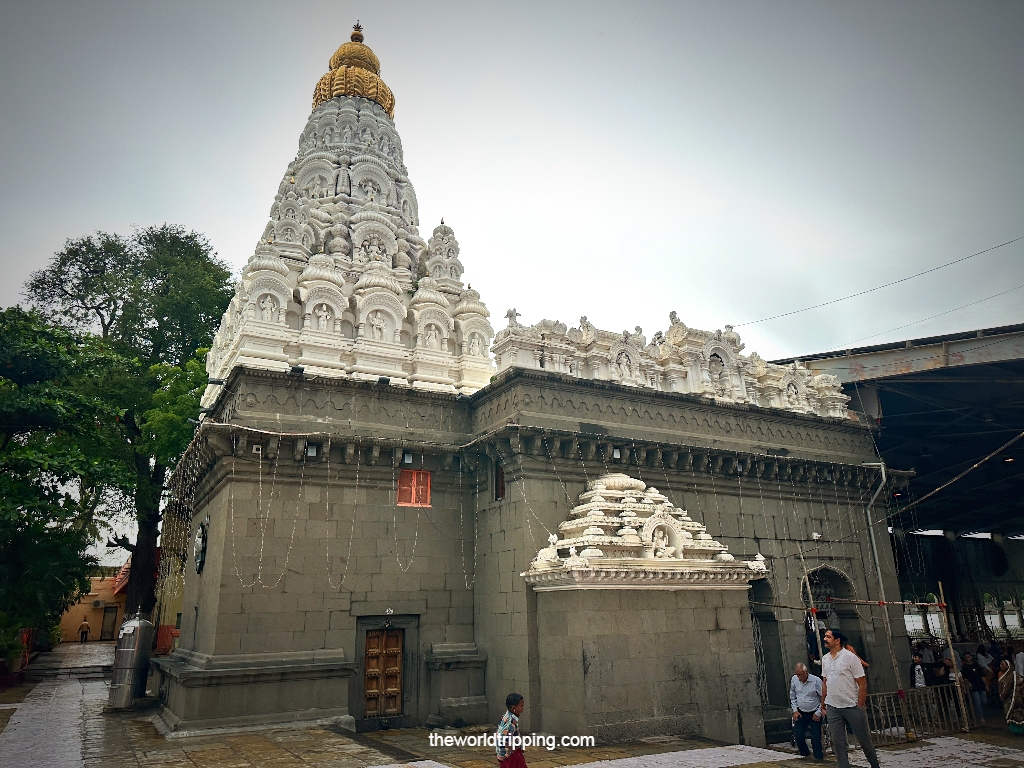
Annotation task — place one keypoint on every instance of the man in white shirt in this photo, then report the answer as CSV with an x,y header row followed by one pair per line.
x,y
1018,662
805,697
845,691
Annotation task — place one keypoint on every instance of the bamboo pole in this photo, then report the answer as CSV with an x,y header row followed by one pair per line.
x,y
944,621
814,610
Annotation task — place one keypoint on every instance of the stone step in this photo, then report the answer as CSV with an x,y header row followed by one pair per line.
x,y
778,730
35,674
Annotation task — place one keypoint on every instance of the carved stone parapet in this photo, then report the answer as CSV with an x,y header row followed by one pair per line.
x,y
680,360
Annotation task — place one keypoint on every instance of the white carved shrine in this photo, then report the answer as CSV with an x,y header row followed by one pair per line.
x,y
681,359
626,535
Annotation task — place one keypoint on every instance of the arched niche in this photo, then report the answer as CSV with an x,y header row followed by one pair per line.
x,y
409,206
830,587
479,328
624,363
773,674
369,239
674,536
319,297
435,316
380,317
268,300
315,178
721,372
792,392
365,178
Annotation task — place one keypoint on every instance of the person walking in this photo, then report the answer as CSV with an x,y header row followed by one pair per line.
x,y
510,753
83,630
1012,696
974,675
927,656
918,672
845,692
805,697
988,672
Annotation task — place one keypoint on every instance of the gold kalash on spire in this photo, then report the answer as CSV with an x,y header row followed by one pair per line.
x,y
355,71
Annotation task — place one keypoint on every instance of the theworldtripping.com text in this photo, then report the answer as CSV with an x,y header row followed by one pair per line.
x,y
547,741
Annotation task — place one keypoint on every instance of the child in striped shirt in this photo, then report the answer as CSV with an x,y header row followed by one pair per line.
x,y
510,755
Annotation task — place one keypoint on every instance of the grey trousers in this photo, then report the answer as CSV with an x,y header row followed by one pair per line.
x,y
838,718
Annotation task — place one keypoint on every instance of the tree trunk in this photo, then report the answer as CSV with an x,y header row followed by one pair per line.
x,y
141,595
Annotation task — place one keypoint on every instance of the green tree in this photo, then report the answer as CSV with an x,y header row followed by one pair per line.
x,y
57,468
156,298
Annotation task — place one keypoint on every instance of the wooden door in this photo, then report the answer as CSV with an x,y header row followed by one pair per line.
x,y
109,629
382,677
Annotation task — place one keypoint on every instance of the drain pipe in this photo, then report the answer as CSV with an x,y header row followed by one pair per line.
x,y
871,528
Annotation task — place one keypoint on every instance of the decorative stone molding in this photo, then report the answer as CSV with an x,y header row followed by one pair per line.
x,y
681,359
626,535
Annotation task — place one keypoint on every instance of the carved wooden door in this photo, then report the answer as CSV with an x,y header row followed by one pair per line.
x,y
382,678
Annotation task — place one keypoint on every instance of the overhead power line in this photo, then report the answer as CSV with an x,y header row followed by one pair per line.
x,y
932,317
880,287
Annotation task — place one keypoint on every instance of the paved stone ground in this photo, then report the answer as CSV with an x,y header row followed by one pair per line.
x,y
78,658
59,723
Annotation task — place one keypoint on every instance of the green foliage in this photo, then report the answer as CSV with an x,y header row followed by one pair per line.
x,y
155,298
176,401
39,367
156,295
56,462
181,292
88,283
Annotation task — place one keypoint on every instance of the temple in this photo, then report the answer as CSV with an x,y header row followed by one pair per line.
x,y
379,524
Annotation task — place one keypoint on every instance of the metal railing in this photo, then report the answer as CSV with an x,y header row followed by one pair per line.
x,y
933,711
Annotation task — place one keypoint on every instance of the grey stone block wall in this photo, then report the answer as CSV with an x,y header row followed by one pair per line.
x,y
625,664
275,587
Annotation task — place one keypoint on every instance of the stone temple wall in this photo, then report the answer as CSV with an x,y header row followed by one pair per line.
x,y
283,638
622,665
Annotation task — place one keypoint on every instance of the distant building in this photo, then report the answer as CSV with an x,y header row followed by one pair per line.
x,y
102,607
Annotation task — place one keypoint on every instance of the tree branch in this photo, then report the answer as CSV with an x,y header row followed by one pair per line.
x,y
121,542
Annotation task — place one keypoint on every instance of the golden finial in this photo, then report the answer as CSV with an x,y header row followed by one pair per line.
x,y
354,71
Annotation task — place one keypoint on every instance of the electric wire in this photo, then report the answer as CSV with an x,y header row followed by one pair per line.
x,y
932,317
880,287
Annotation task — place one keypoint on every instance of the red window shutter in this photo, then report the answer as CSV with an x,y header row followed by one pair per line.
x,y
422,488
405,490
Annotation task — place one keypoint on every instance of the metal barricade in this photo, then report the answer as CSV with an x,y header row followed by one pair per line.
x,y
937,710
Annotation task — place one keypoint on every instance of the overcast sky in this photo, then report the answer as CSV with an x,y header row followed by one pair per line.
x,y
726,160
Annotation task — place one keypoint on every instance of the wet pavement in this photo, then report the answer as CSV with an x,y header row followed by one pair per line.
x,y
59,722
73,659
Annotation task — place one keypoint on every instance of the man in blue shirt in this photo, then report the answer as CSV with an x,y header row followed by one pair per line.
x,y
805,696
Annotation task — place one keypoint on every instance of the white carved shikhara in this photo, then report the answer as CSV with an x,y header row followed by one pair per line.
x,y
681,359
625,535
333,287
